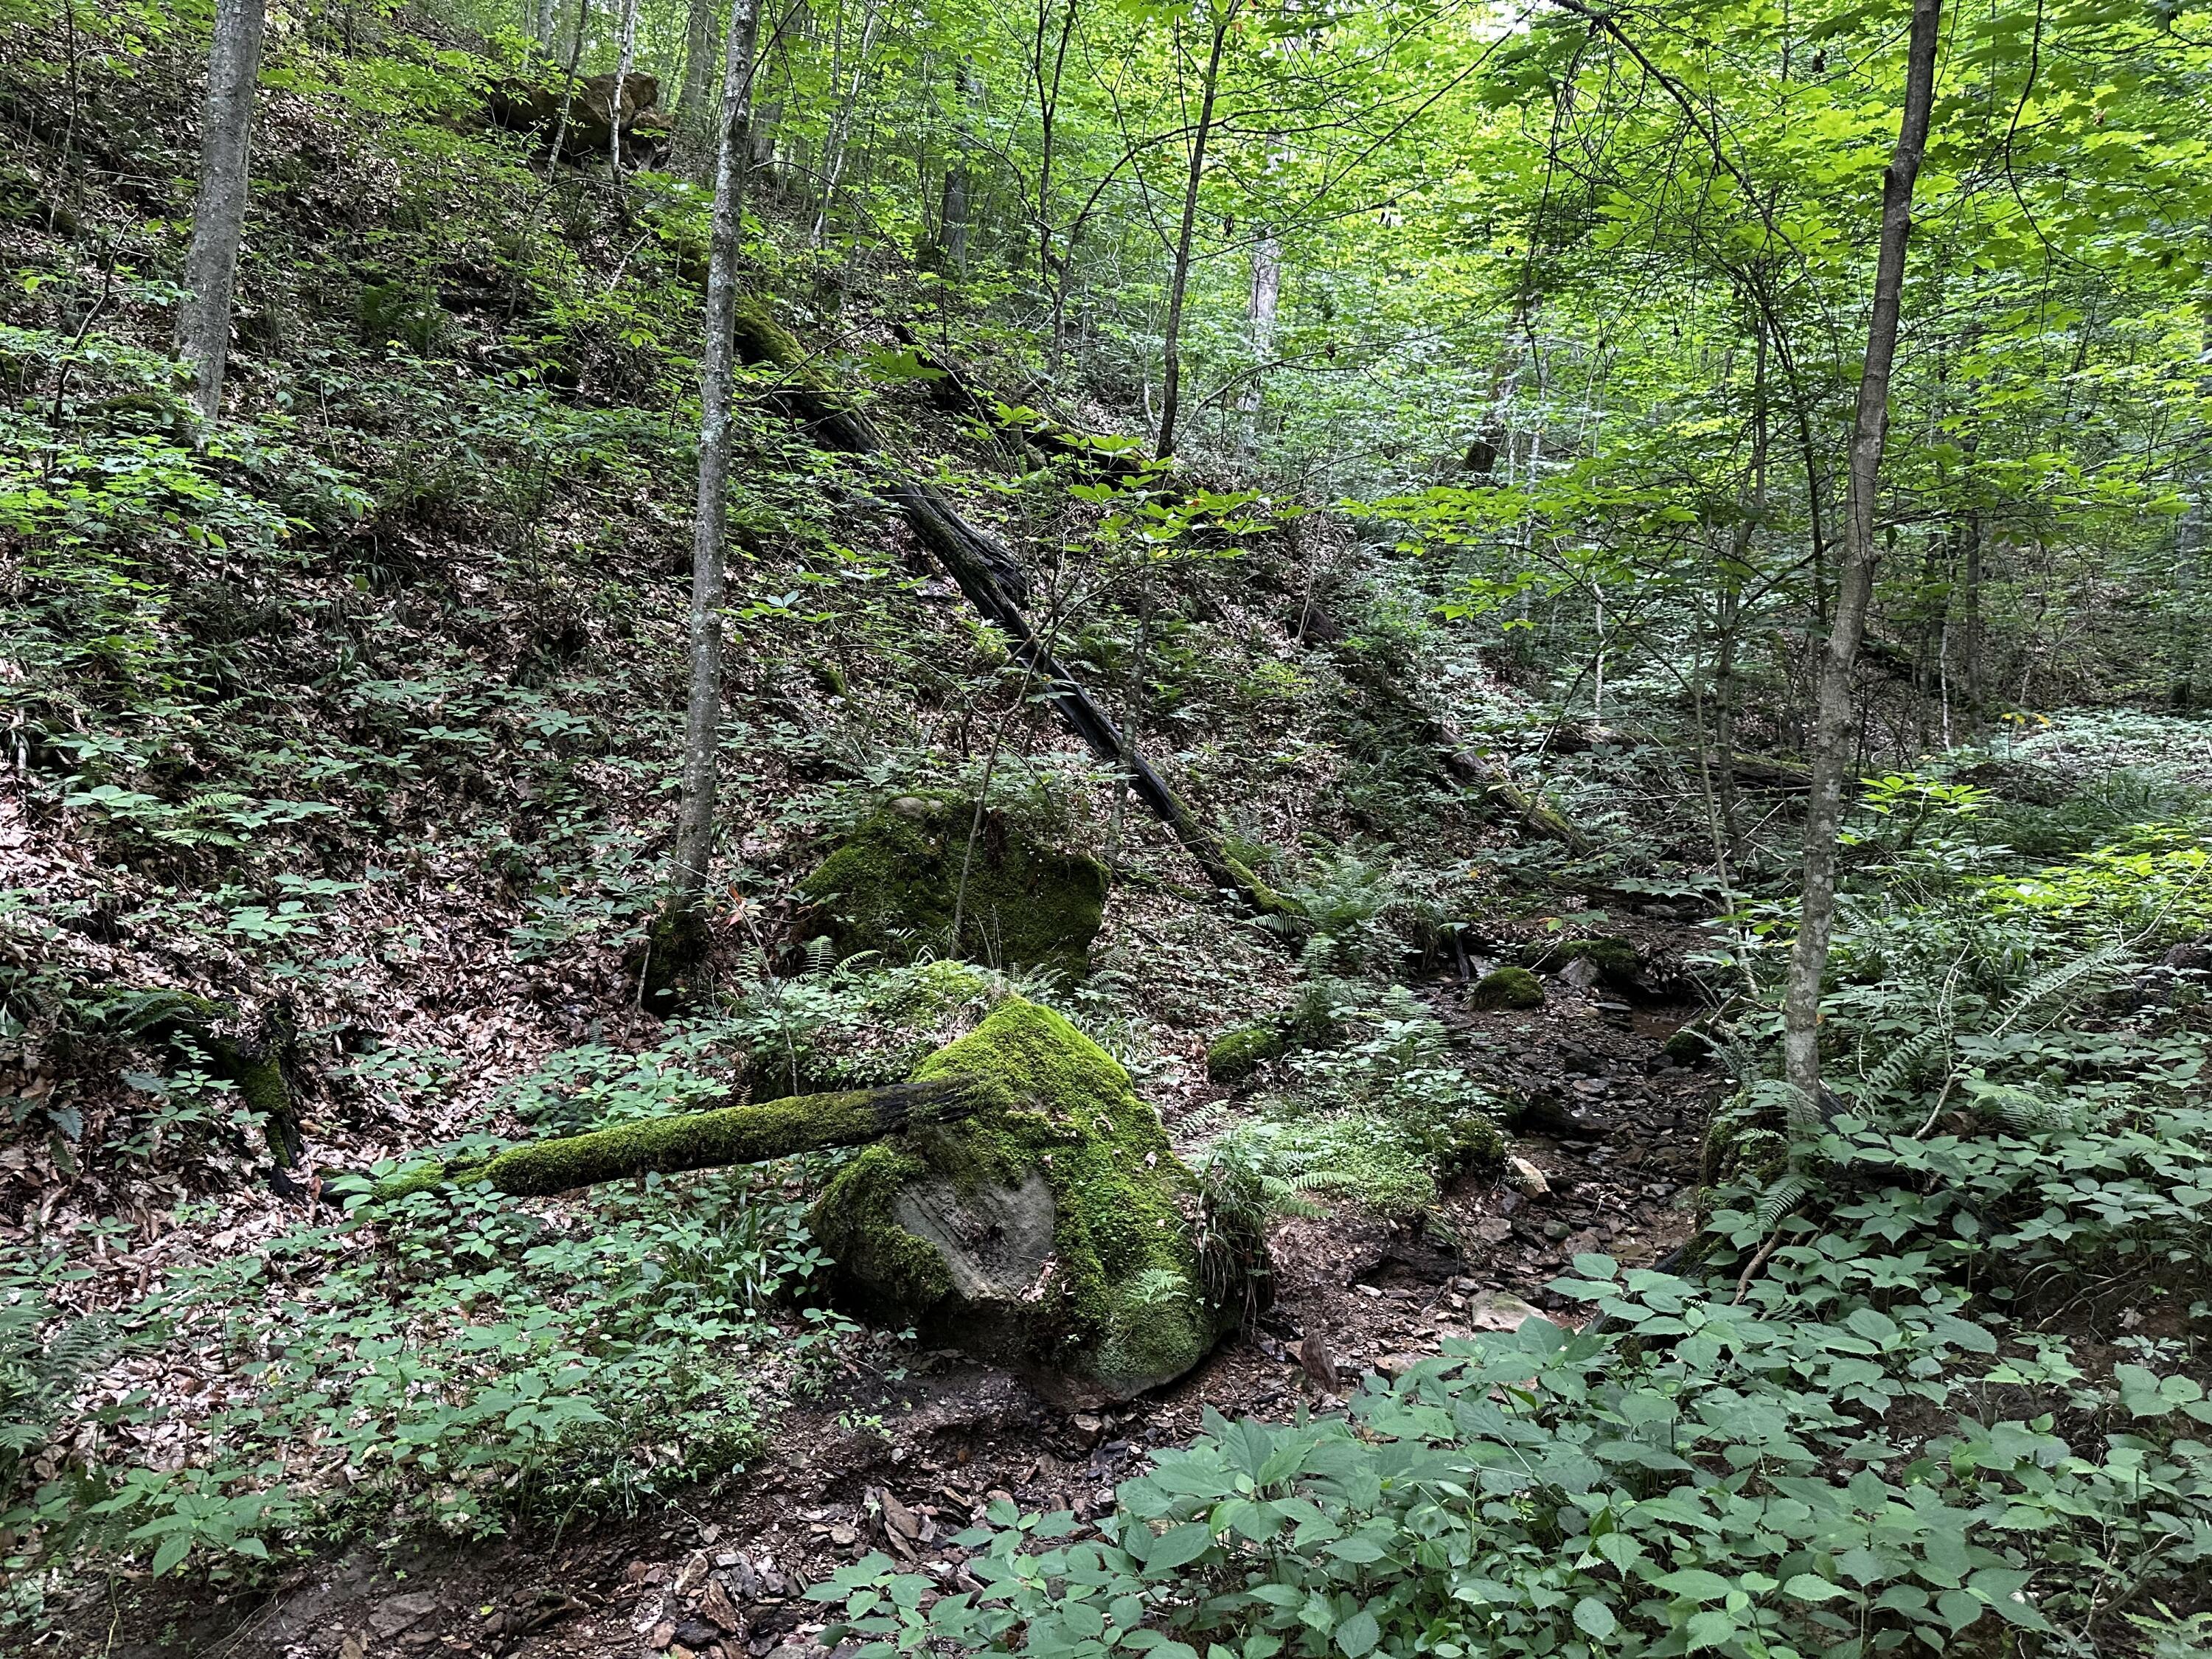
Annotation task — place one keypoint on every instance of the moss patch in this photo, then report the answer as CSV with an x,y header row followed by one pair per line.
x,y
1617,960
894,882
1241,1050
1508,987
1120,1304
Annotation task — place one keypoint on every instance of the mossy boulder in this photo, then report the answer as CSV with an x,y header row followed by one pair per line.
x,y
1053,1236
1617,960
1241,1050
896,883
1506,988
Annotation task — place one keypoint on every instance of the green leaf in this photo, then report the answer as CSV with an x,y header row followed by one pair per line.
x,y
174,1548
1696,1583
1357,1636
1178,1545
1810,1587
1595,1619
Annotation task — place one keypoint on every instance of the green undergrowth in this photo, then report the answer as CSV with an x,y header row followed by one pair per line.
x,y
1371,1103
1932,1376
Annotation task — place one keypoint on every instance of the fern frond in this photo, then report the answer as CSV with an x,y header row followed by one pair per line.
x,y
1779,1200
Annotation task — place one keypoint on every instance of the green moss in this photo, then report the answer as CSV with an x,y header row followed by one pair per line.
x,y
894,882
1241,1050
700,1141
1507,988
761,339
1121,1304
1689,1046
1616,959
253,1065
676,941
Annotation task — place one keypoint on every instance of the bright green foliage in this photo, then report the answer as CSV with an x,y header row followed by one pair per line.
x,y
1123,1304
898,882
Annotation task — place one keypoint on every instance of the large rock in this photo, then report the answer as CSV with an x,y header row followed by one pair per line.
x,y
894,884
1055,1236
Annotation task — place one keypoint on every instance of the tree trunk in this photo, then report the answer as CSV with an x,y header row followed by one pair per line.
x,y
1832,746
1179,283
544,30
694,829
710,1139
219,213
698,62
618,98
1267,293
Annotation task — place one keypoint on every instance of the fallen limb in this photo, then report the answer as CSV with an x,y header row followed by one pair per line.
x,y
987,574
710,1139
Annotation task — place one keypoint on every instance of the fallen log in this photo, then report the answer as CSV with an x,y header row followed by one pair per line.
x,y
708,1140
956,391
991,579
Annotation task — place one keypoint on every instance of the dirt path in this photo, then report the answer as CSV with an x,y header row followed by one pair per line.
x,y
900,1466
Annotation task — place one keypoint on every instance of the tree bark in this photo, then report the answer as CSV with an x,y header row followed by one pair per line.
x,y
710,1139
698,61
546,9
219,213
694,829
1833,745
1267,294
1179,282
618,98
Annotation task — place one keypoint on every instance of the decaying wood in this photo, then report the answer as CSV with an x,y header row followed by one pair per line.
x,y
708,1140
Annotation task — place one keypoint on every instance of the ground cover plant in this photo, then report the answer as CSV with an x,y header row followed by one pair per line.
x,y
1223,829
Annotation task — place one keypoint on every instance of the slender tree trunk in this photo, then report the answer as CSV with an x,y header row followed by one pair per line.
x,y
546,9
1171,367
618,99
692,102
1267,293
219,213
1833,748
694,828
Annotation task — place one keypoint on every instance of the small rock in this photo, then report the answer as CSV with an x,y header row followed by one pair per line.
x,y
1491,1230
1372,1292
1582,973
841,1536
1556,1229
1499,1310
901,1519
1395,1365
1526,1177
350,1648
1087,1429
714,1605
662,1634
396,1613
1319,1364
696,1633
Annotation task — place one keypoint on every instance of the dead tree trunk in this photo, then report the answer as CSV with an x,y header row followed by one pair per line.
x,y
1834,745
710,1139
986,574
1267,294
219,214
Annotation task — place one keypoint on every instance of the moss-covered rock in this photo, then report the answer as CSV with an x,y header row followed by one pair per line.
x,y
895,884
878,1032
1241,1050
1506,988
1053,1236
1617,960
1688,1047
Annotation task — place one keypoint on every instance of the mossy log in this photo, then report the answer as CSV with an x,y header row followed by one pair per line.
x,y
957,392
249,1055
987,574
708,1140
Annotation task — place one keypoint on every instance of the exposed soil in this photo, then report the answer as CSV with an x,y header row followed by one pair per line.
x,y
900,1463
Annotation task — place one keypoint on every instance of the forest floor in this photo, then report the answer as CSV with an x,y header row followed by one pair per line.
x,y
900,1462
